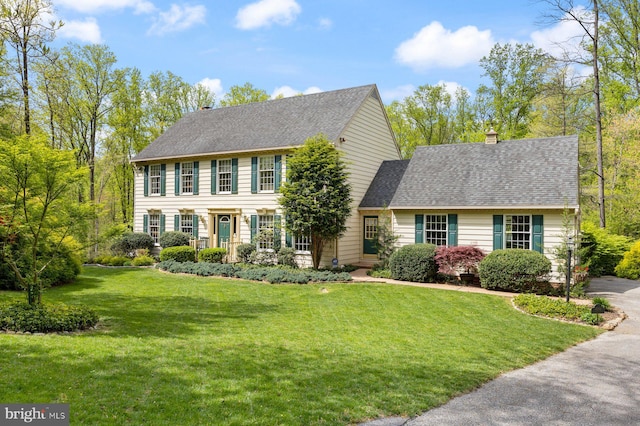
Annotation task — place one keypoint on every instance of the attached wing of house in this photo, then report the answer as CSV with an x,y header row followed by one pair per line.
x,y
494,195
216,173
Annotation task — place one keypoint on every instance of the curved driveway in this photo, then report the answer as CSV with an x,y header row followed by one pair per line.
x,y
593,383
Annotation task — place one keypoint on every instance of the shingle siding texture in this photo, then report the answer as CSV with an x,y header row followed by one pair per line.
x,y
528,172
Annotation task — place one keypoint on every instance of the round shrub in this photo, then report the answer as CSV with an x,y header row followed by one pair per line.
x,y
178,253
143,261
244,252
212,255
174,239
629,266
414,263
130,242
515,270
287,256
46,317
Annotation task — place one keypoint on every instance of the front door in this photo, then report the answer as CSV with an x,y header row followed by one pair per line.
x,y
370,235
224,230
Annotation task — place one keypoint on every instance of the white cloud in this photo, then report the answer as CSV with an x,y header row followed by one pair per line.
x,y
325,23
178,18
562,39
398,93
91,6
213,84
288,91
266,12
437,47
85,31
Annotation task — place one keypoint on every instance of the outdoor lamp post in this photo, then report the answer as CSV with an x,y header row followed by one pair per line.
x,y
569,256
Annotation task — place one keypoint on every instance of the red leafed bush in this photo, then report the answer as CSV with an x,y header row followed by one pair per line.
x,y
453,260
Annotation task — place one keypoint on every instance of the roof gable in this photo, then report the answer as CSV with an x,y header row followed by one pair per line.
x,y
529,172
279,123
384,184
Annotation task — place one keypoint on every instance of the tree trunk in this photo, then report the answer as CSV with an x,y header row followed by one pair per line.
x,y
596,95
317,245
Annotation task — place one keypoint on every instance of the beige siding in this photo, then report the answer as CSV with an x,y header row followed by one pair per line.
x,y
368,142
475,228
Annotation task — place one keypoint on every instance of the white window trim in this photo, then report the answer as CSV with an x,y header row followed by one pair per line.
x,y
445,230
182,178
507,233
219,172
152,177
271,158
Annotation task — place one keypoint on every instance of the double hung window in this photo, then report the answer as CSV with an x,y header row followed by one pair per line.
x,y
186,178
518,231
435,229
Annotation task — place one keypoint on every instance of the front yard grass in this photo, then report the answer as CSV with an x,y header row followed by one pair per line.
x,y
177,349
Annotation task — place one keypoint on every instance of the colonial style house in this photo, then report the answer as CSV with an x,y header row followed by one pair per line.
x,y
216,174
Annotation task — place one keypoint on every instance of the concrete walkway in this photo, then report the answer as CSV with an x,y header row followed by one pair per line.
x,y
593,383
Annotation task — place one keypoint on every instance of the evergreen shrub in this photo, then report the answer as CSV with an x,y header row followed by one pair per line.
x,y
178,253
212,255
414,263
515,270
174,239
629,266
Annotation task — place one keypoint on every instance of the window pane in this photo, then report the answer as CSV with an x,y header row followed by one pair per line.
x,y
302,243
186,223
267,173
224,176
154,227
518,231
370,227
435,229
265,232
186,178
154,176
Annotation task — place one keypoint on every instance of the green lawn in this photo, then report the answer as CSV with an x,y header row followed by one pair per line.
x,y
182,350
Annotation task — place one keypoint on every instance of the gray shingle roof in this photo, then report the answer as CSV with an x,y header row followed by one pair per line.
x,y
529,172
385,183
272,124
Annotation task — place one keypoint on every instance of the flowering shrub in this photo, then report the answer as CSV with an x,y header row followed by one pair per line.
x,y
453,260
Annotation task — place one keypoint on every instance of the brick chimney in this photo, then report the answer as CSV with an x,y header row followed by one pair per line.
x,y
491,137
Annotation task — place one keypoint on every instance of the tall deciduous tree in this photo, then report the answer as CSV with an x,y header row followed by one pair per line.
x,y
238,95
516,74
316,197
24,27
35,206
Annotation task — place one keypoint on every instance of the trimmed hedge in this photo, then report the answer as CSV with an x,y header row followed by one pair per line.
x,y
46,317
178,253
274,274
212,255
174,239
515,270
129,243
414,263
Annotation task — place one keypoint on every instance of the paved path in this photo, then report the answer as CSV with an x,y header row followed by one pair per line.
x,y
593,383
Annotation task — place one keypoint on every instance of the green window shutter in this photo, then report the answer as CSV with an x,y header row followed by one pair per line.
x,y
498,232
163,179
145,223
146,181
254,175
234,175
538,233
452,227
277,232
288,240
177,181
195,226
419,228
278,173
214,175
254,228
196,177
162,222
176,222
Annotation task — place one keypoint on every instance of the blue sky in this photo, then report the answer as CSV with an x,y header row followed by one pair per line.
x,y
293,46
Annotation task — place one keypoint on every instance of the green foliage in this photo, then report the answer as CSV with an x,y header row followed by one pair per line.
x,y
143,260
414,262
629,266
238,95
602,301
515,270
130,242
174,239
263,257
555,308
272,274
287,257
379,273
178,253
45,317
385,242
111,260
212,255
600,250
244,252
316,197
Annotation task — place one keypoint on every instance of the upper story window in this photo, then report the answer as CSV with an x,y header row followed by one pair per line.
x,y
225,176
186,178
435,229
155,178
266,173
518,231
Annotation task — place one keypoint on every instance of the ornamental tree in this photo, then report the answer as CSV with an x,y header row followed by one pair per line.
x,y
316,197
